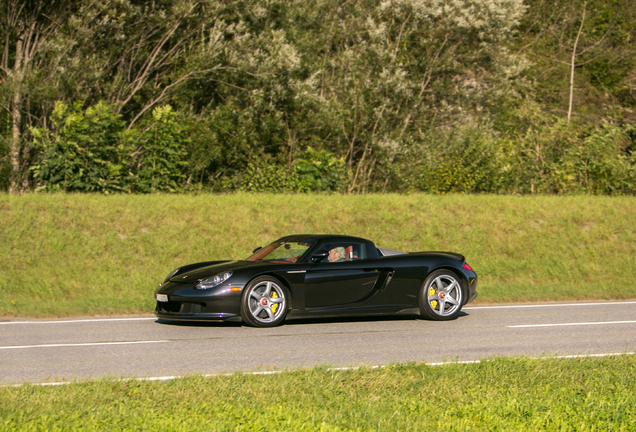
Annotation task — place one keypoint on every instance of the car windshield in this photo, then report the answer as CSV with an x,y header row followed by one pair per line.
x,y
282,251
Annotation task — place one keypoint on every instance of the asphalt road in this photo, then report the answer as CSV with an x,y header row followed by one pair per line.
x,y
58,350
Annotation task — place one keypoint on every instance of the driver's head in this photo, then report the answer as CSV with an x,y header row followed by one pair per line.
x,y
336,254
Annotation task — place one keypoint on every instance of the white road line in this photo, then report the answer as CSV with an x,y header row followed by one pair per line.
x,y
466,308
77,321
275,372
79,344
549,305
572,324
594,355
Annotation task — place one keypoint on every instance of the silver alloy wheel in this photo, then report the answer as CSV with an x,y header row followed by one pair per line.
x,y
444,295
266,302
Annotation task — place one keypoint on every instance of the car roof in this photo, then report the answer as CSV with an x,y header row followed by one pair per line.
x,y
331,237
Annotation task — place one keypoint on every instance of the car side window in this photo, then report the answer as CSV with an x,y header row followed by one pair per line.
x,y
345,251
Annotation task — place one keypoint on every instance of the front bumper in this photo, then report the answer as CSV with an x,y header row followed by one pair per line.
x,y
186,303
186,311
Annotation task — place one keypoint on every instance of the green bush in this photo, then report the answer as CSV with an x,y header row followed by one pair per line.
x,y
268,178
559,158
314,171
566,159
319,171
90,150
84,151
601,164
466,160
160,157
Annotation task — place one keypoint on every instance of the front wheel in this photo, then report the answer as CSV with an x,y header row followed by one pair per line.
x,y
264,302
442,296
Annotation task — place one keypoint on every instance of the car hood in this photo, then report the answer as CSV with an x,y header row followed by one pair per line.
x,y
209,271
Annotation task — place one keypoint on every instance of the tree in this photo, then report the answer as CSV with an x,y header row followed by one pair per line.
x,y
583,54
133,55
386,70
162,48
29,29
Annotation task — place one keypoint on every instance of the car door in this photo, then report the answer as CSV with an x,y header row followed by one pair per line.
x,y
343,282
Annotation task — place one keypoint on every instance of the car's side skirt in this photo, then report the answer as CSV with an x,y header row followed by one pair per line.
x,y
350,311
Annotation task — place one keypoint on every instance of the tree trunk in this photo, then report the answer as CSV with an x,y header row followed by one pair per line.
x,y
16,121
573,64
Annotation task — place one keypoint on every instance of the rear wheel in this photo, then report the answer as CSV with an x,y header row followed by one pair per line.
x,y
442,296
264,302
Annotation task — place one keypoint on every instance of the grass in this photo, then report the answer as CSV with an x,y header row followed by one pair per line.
x,y
65,255
503,394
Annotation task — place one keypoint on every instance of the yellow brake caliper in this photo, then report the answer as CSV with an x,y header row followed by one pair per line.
x,y
431,292
274,305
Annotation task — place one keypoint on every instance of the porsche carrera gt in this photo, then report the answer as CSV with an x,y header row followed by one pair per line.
x,y
311,276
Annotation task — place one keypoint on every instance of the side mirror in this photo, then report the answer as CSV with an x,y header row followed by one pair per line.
x,y
319,256
257,249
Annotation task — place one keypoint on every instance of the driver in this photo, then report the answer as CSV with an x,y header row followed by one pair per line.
x,y
336,254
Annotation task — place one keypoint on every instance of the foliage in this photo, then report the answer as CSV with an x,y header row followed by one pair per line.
x,y
313,171
602,163
565,159
268,178
158,161
509,96
83,151
320,171
471,158
552,394
92,151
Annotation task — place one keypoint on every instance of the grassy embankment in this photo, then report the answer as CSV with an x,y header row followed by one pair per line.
x,y
503,394
92,254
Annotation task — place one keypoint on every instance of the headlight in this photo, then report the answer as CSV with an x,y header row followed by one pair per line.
x,y
174,272
214,280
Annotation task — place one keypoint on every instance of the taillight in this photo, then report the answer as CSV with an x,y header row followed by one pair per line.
x,y
467,267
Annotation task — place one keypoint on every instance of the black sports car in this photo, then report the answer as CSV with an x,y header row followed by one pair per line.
x,y
307,276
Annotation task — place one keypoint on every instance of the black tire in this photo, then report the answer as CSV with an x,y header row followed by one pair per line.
x,y
264,302
442,296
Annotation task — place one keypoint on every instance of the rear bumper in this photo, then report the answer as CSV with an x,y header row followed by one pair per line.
x,y
472,289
